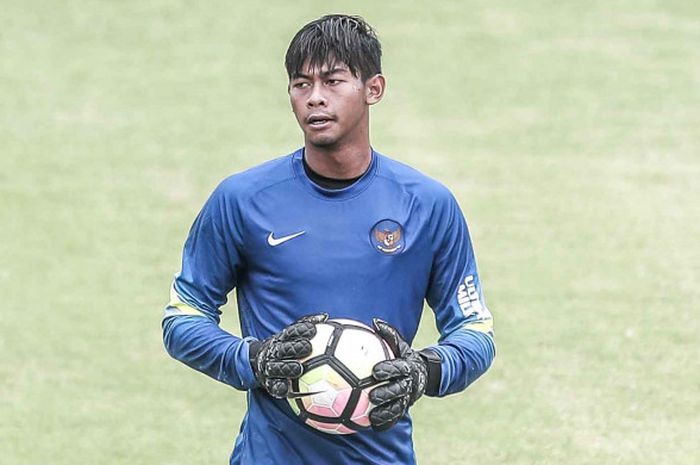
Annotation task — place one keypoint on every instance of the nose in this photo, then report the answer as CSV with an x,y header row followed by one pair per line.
x,y
316,97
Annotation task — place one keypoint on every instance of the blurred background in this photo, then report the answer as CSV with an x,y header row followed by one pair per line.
x,y
567,130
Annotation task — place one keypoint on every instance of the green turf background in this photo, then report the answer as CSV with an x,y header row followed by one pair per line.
x,y
569,131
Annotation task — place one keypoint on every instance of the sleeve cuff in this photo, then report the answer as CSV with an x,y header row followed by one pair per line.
x,y
245,370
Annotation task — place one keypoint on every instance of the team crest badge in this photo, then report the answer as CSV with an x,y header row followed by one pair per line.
x,y
387,237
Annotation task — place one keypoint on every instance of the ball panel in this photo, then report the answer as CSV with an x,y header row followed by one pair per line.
x,y
363,421
307,403
295,407
347,322
325,397
342,429
332,391
359,351
331,428
325,427
322,411
361,413
341,400
322,373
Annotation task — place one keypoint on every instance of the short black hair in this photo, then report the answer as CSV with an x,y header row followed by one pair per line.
x,y
336,38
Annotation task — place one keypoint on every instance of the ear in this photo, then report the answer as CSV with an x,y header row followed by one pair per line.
x,y
374,89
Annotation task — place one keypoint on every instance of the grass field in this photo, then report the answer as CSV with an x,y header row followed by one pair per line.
x,y
569,131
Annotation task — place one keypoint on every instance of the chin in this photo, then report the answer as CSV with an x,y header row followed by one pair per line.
x,y
323,141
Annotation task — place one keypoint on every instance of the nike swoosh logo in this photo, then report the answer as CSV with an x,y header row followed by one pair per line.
x,y
275,242
300,395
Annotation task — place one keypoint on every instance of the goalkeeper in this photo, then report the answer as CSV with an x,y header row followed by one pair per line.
x,y
333,229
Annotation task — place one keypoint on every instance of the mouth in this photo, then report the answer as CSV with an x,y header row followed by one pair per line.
x,y
319,120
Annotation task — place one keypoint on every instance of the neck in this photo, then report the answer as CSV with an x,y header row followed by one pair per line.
x,y
339,162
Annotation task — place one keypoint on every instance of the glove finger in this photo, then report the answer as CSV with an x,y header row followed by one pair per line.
x,y
295,349
391,369
384,417
315,319
287,369
302,330
390,392
278,388
392,337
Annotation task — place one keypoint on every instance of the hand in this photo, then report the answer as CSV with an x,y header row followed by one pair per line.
x,y
275,360
406,376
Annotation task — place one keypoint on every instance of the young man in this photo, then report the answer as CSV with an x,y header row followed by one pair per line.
x,y
333,227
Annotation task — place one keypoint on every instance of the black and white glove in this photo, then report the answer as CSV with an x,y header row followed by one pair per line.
x,y
406,376
275,360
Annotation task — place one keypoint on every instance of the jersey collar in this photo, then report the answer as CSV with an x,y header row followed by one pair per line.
x,y
351,191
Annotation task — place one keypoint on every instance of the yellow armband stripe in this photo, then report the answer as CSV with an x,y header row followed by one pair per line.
x,y
483,326
180,306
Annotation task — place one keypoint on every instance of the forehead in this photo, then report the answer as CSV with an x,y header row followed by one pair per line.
x,y
329,66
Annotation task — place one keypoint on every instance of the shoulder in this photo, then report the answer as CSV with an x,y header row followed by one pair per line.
x,y
413,182
247,183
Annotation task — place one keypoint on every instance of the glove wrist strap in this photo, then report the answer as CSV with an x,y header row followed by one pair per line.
x,y
253,351
433,362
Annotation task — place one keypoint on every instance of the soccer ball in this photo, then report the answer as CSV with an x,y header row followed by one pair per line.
x,y
333,393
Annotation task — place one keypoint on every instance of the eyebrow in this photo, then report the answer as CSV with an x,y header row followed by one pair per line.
x,y
324,74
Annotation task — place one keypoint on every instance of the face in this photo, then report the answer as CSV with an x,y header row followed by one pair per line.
x,y
331,105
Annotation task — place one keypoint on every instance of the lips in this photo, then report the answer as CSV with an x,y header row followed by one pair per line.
x,y
319,120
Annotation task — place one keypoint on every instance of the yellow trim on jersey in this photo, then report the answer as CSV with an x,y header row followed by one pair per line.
x,y
484,326
181,306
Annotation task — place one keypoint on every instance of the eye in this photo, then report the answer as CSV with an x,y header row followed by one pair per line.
x,y
332,82
300,85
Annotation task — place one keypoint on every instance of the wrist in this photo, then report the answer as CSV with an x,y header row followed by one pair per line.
x,y
253,351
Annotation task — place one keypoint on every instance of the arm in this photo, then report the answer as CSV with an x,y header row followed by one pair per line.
x,y
466,346
201,344
210,266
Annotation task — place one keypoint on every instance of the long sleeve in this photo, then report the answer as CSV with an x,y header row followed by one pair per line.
x,y
466,343
210,265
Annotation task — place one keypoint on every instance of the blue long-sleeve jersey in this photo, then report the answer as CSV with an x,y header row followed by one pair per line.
x,y
378,248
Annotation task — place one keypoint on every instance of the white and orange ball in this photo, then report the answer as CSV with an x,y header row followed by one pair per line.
x,y
333,393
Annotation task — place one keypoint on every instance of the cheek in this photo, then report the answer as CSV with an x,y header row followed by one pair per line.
x,y
354,99
359,93
358,102
295,108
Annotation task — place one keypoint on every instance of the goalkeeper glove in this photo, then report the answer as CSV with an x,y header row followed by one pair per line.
x,y
275,360
407,377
